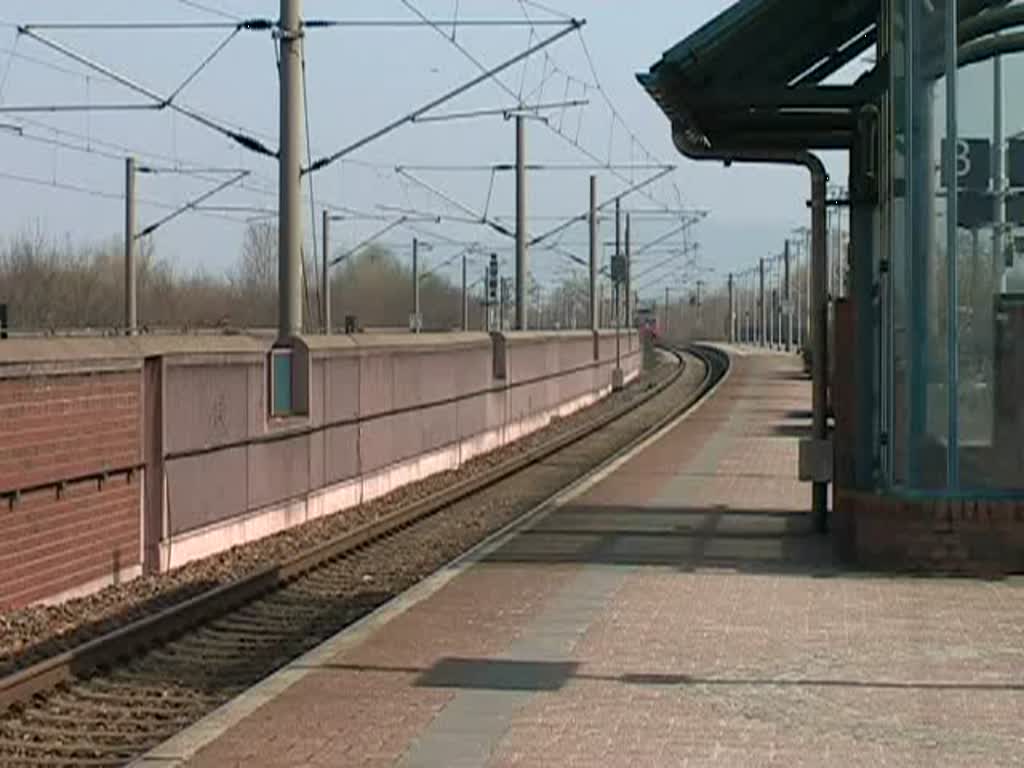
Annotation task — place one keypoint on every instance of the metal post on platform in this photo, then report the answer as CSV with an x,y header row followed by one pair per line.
x,y
325,276
130,285
819,332
290,169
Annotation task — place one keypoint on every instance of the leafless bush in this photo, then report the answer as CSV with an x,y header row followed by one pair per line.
x,y
51,285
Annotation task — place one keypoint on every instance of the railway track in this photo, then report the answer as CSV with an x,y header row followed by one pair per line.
x,y
113,698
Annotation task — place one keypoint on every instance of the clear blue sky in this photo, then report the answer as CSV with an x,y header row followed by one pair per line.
x,y
357,81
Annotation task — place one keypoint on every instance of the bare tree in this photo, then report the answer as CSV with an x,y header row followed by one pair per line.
x,y
255,279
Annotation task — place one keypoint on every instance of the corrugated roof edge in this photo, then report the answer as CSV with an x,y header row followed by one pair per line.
x,y
693,46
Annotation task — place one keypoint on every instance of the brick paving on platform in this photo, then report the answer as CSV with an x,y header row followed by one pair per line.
x,y
680,612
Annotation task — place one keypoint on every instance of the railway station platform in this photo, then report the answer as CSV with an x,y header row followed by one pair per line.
x,y
678,609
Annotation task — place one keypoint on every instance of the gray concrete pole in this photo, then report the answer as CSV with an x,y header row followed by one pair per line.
x,y
618,226
131,317
325,290
700,316
666,310
762,310
465,294
522,314
629,276
732,312
415,285
594,307
289,276
501,304
487,302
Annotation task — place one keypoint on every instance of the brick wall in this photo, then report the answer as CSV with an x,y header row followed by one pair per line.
x,y
54,428
970,536
194,409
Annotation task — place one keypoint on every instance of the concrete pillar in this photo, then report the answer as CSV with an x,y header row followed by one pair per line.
x,y
325,290
522,316
594,307
131,317
289,278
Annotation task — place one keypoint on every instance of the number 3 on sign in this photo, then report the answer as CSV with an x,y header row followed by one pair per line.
x,y
973,163
963,159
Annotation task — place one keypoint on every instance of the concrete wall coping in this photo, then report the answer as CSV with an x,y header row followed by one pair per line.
x,y
539,337
606,333
419,342
69,354
69,349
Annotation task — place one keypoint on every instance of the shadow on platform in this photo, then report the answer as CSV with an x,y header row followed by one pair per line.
x,y
486,674
687,539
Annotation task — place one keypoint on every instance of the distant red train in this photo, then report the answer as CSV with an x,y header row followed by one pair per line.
x,y
647,322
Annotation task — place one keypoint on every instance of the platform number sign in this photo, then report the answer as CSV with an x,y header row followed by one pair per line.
x,y
492,279
1015,163
618,269
973,164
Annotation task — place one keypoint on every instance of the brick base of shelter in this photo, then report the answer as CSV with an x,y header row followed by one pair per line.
x,y
975,537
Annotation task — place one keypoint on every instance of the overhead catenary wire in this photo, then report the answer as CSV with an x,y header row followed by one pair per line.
x,y
265,135
505,87
117,151
207,8
550,70
244,139
191,204
412,24
102,193
11,53
505,112
433,104
544,8
368,241
12,109
265,24
204,64
597,85
505,167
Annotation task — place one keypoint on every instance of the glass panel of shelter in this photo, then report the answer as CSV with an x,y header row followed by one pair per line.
x,y
988,427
